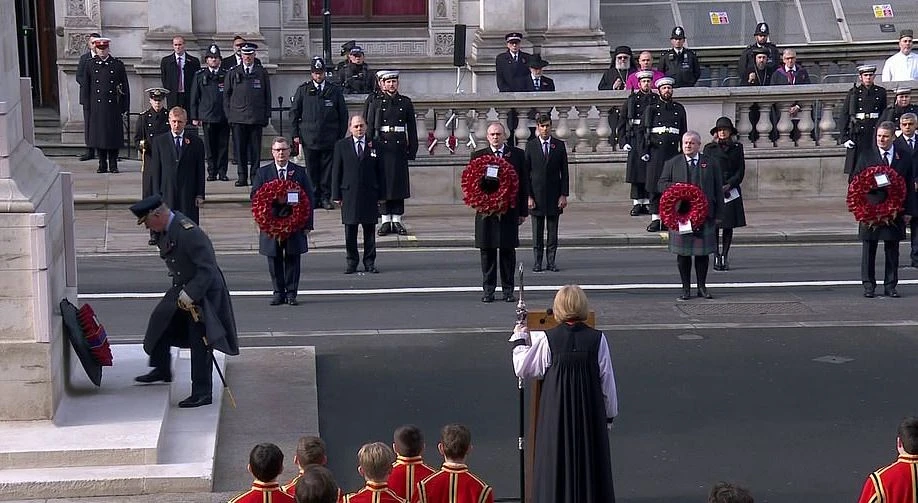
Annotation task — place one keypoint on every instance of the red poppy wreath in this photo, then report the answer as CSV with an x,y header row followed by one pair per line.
x,y
489,194
274,216
873,205
683,202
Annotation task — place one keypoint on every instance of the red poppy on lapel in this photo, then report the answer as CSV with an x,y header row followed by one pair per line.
x,y
703,165
897,155
552,147
187,141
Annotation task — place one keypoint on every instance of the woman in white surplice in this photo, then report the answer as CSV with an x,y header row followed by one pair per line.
x,y
578,402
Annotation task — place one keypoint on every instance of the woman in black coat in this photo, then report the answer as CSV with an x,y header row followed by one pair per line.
x,y
728,153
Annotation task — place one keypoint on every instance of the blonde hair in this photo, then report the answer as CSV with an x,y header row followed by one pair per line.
x,y
376,460
570,304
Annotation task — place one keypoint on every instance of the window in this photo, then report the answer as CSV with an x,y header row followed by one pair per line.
x,y
370,11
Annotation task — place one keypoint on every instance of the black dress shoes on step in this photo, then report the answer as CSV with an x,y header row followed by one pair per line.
x,y
384,229
637,210
718,262
509,297
399,228
869,294
277,300
552,268
153,376
196,401
686,294
223,178
211,178
891,293
655,226
487,298
291,301
371,269
241,183
704,293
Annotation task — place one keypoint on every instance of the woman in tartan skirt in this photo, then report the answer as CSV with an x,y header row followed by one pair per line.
x,y
698,169
727,153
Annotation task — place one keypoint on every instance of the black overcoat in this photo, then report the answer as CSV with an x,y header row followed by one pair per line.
x,y
548,177
503,231
861,112
395,148
247,98
206,103
178,176
169,75
189,255
150,124
356,181
902,163
675,170
662,147
513,76
297,243
108,96
319,119
732,162
684,68
631,132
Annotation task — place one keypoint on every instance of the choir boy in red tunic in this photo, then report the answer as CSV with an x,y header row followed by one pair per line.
x,y
266,462
454,483
409,467
374,462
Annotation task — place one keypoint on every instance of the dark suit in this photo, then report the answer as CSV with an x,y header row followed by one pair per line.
x,y
169,75
284,256
356,183
178,174
548,181
891,234
501,232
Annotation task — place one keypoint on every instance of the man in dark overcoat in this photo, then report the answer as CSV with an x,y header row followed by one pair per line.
x,y
883,151
319,116
497,236
632,141
153,122
357,189
664,123
549,187
392,127
196,312
81,80
176,71
247,103
109,97
284,256
177,166
206,110
511,69
861,112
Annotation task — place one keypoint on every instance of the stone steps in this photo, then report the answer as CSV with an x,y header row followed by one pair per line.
x,y
119,439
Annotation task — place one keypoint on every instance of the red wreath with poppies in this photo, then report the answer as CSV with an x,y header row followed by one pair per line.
x,y
482,195
863,194
271,196
683,202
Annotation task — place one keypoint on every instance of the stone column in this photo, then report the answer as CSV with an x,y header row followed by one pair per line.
x,y
294,31
33,275
574,32
78,19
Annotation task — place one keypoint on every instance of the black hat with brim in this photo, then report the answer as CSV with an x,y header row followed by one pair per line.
x,y
536,61
723,123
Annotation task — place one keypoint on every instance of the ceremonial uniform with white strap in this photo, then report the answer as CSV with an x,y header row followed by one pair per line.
x,y
861,112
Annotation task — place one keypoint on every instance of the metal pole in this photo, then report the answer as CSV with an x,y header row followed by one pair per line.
x,y
326,31
280,115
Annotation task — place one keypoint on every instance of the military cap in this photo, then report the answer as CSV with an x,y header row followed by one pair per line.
x,y
665,81
102,42
906,33
94,35
356,50
761,29
623,49
644,74
347,46
143,207
536,61
212,52
248,48
379,74
678,33
317,65
387,74
157,93
513,36
866,69
903,90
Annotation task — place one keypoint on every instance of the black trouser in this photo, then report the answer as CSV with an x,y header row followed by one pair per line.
x,y
489,265
654,197
513,120
285,273
248,149
392,207
868,265
369,245
913,227
319,167
89,150
638,191
201,360
216,147
538,227
108,159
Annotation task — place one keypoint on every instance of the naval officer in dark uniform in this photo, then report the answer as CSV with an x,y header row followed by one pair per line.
x,y
632,141
664,124
196,312
392,127
109,97
152,122
81,80
861,112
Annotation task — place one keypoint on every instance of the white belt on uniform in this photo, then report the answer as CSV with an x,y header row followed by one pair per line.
x,y
862,116
392,129
664,130
635,121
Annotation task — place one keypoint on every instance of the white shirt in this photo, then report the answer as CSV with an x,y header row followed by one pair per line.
x,y
906,139
318,85
531,362
690,159
180,59
900,67
285,167
891,153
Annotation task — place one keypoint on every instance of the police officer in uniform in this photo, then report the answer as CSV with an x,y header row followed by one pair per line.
x,y
247,104
345,51
512,73
152,122
632,142
861,111
206,110
679,63
902,106
746,65
393,129
664,124
355,77
109,97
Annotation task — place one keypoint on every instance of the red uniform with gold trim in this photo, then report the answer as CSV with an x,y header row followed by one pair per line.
x,y
897,483
374,492
264,492
406,473
290,488
454,483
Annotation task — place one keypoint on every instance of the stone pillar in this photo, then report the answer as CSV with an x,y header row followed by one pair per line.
x,y
574,32
495,20
294,31
77,19
33,275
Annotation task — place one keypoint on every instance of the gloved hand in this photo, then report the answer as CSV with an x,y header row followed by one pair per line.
x,y
184,300
626,148
645,157
849,144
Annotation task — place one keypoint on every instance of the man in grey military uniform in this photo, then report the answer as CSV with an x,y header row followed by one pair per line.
x,y
196,312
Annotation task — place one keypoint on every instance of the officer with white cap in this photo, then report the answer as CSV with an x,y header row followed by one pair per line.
x,y
861,111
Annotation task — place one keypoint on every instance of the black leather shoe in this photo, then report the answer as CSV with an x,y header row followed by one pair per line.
x,y
153,376
102,170
663,227
292,301
645,209
350,270
151,242
487,298
400,229
277,300
113,170
703,292
196,401
717,262
869,294
241,183
328,205
552,268
686,294
211,178
654,226
371,269
537,268
724,263
384,229
891,293
87,156
509,297
224,178
637,210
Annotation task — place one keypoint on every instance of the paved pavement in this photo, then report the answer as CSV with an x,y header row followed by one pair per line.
x,y
104,225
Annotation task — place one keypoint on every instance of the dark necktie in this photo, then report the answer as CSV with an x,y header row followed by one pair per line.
x,y
181,75
248,70
535,82
911,143
498,153
360,149
886,158
545,149
793,77
178,146
282,174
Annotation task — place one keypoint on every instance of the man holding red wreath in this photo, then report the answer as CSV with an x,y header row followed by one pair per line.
x,y
501,233
884,153
284,255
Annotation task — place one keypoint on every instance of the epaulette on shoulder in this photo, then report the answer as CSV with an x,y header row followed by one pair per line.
x,y
186,223
201,70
